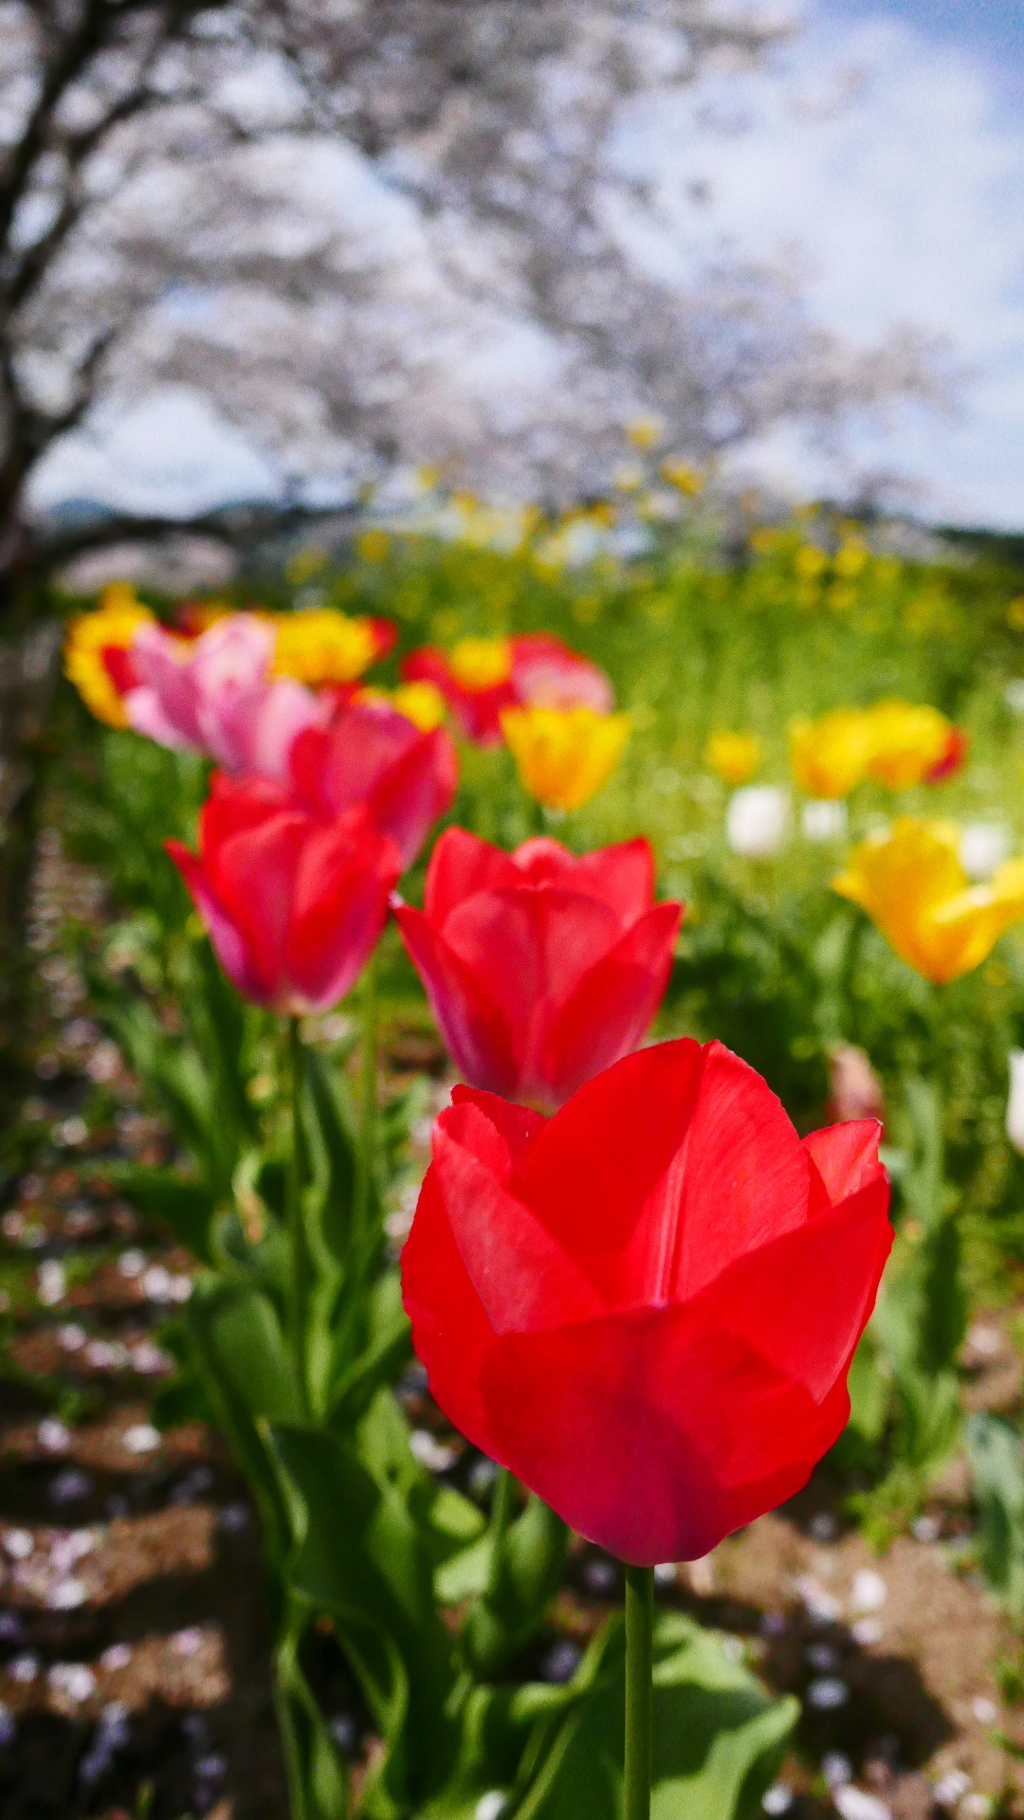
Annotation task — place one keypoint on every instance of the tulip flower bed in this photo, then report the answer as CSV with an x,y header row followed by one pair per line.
x,y
455,814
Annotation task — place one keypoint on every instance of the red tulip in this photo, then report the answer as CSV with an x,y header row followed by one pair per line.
x,y
293,901
481,677
372,754
646,1307
952,759
541,968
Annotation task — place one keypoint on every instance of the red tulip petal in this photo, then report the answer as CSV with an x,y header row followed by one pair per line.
x,y
340,906
532,946
337,768
846,1156
803,1300
228,943
252,874
621,876
459,866
237,803
596,1175
419,788
612,1008
519,1271
746,1178
475,1033
518,1125
712,1168
450,1331
651,1432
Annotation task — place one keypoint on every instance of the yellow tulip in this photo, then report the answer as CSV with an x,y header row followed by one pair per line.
x,y
911,883
478,664
420,702
733,756
829,756
110,627
321,645
564,755
907,741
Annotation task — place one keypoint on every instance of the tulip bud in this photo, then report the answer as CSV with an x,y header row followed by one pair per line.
x,y
757,821
1015,1104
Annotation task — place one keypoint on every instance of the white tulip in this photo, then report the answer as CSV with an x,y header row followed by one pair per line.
x,y
757,820
824,820
983,849
1015,1104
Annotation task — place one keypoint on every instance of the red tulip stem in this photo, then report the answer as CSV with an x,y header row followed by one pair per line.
x,y
639,1701
296,1231
367,1096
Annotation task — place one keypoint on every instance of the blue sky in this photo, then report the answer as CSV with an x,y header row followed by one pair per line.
x,y
992,26
883,156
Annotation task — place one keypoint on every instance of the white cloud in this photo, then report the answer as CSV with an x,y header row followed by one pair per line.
x,y
883,164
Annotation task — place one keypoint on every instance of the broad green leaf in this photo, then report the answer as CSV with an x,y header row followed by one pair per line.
x,y
240,1354
520,1585
994,1451
718,1738
361,1558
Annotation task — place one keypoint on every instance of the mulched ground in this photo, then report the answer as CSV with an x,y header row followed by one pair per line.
x,y
134,1667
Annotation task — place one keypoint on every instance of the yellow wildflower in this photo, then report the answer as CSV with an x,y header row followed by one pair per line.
x,y
645,432
321,645
684,477
907,742
830,755
809,561
564,755
481,663
95,647
733,756
913,886
373,545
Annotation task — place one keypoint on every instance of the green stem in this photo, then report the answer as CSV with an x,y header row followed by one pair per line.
x,y
288,1718
639,1704
298,1275
502,1506
367,1098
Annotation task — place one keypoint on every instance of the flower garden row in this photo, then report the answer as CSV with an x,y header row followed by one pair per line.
x,y
634,1286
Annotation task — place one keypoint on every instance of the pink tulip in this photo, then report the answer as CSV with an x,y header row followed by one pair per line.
x,y
215,695
372,754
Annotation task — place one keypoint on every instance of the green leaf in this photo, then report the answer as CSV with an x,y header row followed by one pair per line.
x,y
870,1389
186,1207
994,1451
240,1354
718,1738
361,1558
519,1588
